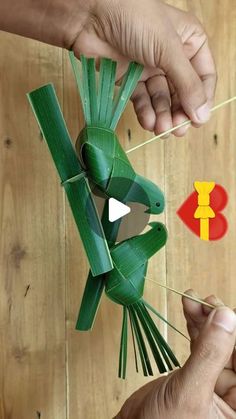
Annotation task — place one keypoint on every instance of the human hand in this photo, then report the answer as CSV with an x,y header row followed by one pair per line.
x,y
179,77
205,387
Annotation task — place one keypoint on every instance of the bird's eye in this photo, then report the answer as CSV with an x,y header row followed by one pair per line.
x,y
158,204
159,229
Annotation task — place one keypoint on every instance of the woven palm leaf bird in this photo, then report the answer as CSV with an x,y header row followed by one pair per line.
x,y
106,162
125,285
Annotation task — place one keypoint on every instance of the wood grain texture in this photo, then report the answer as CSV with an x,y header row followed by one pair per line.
x,y
47,369
207,154
32,257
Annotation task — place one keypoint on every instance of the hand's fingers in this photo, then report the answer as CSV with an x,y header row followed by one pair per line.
x,y
178,117
204,65
193,314
158,90
210,353
189,87
143,107
178,114
234,360
226,380
196,49
214,301
230,398
89,44
196,313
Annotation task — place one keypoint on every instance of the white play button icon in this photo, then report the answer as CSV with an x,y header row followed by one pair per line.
x,y
116,210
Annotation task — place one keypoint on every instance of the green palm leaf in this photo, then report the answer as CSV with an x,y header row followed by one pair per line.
x,y
50,119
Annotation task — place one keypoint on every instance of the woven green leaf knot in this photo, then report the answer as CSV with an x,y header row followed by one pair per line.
x,y
108,167
125,283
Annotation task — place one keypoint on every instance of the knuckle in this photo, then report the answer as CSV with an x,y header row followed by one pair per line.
x,y
142,106
193,94
161,102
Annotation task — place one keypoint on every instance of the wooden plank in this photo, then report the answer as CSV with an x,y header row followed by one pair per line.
x,y
94,389
207,154
32,256
36,227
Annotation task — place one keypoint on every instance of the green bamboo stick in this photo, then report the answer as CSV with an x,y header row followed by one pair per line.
x,y
47,110
95,286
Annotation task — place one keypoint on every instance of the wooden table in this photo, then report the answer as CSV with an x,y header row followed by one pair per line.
x,y
47,369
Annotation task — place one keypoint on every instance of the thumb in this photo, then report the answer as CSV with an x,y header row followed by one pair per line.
x,y
211,352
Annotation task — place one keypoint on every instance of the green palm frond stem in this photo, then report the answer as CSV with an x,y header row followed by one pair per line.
x,y
47,110
95,285
125,285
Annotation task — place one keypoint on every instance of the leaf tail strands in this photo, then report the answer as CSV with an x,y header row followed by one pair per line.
x,y
111,93
144,330
169,131
47,111
125,285
144,357
125,91
134,345
78,78
164,320
123,345
89,75
169,358
100,106
106,89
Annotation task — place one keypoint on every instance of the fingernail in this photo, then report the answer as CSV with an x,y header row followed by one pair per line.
x,y
218,302
215,301
226,319
192,293
203,113
164,137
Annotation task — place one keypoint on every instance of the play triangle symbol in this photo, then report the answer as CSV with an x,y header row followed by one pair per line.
x,y
116,210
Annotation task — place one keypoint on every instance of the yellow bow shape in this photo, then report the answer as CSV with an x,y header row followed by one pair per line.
x,y
204,211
